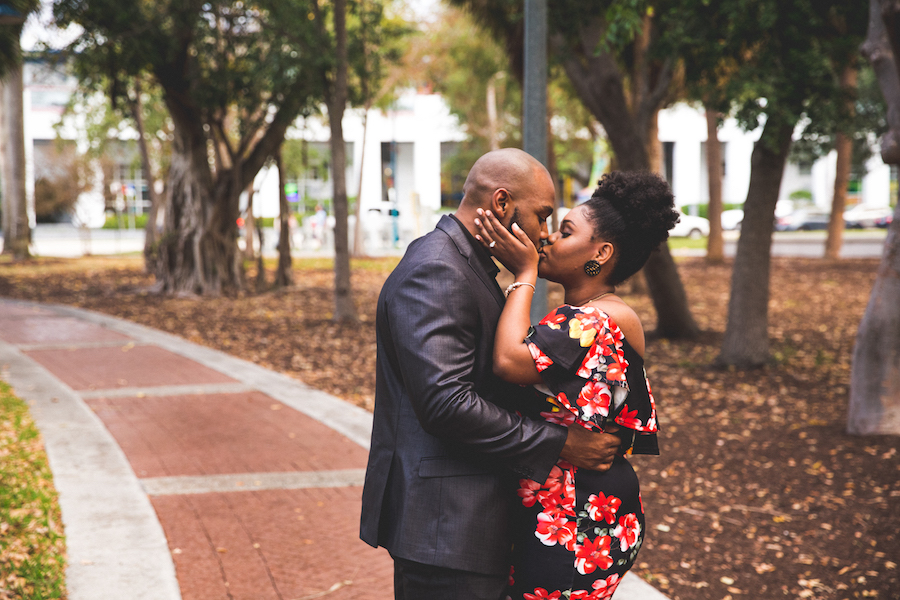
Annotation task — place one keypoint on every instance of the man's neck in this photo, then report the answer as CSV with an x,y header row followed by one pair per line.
x,y
466,216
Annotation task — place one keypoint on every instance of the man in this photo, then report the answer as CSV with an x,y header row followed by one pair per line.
x,y
446,441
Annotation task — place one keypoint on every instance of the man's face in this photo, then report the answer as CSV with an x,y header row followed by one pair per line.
x,y
531,206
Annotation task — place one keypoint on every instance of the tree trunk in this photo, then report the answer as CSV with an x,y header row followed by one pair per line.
x,y
250,227
599,83
359,238
198,254
344,308
715,245
746,342
284,274
16,225
654,146
260,283
844,146
151,253
875,373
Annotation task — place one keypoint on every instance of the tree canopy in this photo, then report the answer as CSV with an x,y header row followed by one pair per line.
x,y
234,76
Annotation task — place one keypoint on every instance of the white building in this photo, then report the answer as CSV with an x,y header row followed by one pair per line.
x,y
400,191
682,130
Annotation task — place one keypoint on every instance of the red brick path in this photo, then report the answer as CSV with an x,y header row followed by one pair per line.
x,y
278,544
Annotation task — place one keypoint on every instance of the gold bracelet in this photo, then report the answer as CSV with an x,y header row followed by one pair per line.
x,y
517,285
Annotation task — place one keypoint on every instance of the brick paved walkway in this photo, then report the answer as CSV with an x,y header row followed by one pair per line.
x,y
187,473
256,499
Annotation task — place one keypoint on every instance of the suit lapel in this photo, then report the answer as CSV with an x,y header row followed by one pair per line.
x,y
454,230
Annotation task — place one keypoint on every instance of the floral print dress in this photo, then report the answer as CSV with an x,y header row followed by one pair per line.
x,y
580,531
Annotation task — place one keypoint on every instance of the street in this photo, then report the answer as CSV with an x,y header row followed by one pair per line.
x,y
867,243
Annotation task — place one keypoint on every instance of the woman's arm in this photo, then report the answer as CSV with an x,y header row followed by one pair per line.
x,y
512,359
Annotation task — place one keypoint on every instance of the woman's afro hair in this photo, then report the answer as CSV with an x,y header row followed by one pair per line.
x,y
635,211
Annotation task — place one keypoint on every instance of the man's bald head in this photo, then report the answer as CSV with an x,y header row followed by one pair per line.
x,y
515,187
508,168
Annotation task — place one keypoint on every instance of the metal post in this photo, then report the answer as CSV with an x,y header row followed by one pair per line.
x,y
534,118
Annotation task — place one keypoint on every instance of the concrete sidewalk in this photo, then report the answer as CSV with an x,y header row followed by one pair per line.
x,y
187,473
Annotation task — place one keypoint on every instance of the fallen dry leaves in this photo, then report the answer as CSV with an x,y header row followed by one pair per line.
x,y
758,493
32,545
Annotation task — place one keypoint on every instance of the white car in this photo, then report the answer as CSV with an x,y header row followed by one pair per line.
x,y
861,216
732,219
691,227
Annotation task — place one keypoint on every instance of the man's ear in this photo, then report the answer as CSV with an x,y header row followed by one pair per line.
x,y
500,202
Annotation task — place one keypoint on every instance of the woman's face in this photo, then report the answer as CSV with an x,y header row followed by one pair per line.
x,y
569,248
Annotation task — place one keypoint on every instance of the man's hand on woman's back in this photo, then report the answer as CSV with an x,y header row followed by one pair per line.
x,y
589,449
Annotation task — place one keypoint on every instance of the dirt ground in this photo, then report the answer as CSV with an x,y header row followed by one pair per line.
x,y
759,492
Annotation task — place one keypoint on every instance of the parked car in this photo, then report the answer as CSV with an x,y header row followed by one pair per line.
x,y
805,219
691,227
884,221
731,219
861,216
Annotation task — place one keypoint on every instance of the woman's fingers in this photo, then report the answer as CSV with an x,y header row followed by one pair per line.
x,y
522,236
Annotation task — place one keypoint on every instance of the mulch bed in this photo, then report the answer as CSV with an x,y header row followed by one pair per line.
x,y
758,493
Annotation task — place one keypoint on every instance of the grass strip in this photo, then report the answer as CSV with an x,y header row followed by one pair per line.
x,y
32,543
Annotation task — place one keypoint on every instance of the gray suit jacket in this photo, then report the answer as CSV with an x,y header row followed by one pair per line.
x,y
446,444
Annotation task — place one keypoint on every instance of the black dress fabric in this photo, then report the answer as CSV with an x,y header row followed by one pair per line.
x,y
580,531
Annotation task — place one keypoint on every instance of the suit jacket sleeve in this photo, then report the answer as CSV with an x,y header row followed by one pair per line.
x,y
436,326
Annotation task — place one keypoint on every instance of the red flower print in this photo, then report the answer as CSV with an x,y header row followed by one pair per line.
x,y
554,530
555,480
590,363
554,318
564,400
615,372
604,588
556,505
559,417
512,571
580,595
607,342
591,555
594,399
603,508
628,418
541,360
527,491
628,531
542,594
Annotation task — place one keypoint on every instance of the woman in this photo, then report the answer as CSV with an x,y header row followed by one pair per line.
x,y
581,530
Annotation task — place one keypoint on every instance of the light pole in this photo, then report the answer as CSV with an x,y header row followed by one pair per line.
x,y
534,117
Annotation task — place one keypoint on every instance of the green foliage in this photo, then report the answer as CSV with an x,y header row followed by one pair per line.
x,y
10,48
122,221
378,38
459,58
703,209
865,126
238,67
767,58
460,62
32,545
